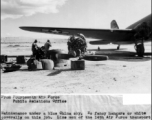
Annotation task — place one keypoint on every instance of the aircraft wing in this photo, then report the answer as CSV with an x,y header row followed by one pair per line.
x,y
105,35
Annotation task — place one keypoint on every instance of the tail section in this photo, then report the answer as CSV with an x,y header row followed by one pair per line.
x,y
114,25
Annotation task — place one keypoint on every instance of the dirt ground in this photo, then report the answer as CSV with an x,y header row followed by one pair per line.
x,y
123,73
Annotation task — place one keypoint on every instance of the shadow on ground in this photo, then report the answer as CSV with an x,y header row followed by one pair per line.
x,y
55,72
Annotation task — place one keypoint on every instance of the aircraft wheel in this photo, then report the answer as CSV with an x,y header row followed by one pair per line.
x,y
140,50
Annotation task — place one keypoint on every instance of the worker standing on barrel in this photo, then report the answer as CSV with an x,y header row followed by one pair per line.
x,y
35,48
47,45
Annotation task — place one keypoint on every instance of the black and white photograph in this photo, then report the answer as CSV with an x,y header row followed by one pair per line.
x,y
76,47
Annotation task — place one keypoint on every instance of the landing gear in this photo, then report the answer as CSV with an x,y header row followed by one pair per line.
x,y
140,49
118,47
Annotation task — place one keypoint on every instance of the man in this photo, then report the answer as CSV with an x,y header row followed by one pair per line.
x,y
47,45
70,40
34,48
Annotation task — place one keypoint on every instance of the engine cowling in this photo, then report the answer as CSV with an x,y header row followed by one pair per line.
x,y
77,45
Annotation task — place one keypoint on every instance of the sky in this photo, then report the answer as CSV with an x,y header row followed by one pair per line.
x,y
68,13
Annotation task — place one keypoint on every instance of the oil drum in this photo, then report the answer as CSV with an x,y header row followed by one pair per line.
x,y
47,64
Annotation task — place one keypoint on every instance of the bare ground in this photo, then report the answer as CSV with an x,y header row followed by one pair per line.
x,y
115,76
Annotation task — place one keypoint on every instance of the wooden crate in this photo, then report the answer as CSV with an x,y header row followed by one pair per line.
x,y
77,65
20,59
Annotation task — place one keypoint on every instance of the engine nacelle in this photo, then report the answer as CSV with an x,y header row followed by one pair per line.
x,y
142,31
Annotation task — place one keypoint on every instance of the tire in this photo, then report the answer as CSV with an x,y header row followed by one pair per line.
x,y
140,50
95,57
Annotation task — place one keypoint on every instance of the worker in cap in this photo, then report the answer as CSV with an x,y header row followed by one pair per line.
x,y
47,45
34,48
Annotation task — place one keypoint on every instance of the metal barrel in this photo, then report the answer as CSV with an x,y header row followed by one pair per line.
x,y
47,64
